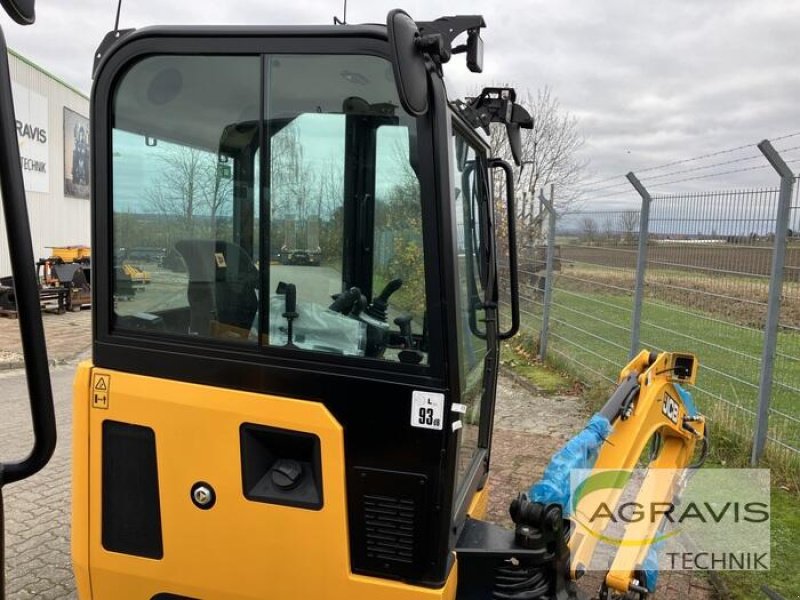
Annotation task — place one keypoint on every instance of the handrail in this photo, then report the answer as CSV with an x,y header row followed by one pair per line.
x,y
512,247
26,289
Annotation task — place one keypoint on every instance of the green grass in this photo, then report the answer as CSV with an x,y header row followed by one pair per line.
x,y
783,576
590,333
730,363
547,379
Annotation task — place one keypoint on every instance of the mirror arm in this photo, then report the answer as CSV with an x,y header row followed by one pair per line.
x,y
451,27
496,163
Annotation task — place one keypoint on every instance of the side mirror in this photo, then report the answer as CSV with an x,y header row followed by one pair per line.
x,y
22,11
408,63
475,51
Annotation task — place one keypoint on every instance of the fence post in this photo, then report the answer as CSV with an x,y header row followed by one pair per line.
x,y
774,299
548,281
641,262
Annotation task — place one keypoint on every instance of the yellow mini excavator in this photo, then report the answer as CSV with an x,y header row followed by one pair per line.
x,y
252,428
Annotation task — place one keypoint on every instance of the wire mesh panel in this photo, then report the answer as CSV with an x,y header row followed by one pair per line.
x,y
532,240
706,289
707,286
531,270
593,291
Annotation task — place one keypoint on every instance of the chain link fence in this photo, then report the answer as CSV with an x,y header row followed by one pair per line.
x,y
704,282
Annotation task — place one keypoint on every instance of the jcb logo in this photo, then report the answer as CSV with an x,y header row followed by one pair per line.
x,y
670,408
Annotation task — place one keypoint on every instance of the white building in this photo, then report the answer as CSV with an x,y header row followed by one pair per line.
x,y
53,134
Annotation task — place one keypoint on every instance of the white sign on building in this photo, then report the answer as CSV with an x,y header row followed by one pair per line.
x,y
32,132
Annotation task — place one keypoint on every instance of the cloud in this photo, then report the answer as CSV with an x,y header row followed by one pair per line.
x,y
652,82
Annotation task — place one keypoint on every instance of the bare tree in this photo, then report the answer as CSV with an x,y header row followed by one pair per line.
x,y
610,229
550,157
589,228
175,193
192,190
216,188
629,221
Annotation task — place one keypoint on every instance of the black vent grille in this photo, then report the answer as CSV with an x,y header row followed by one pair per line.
x,y
389,520
131,510
389,528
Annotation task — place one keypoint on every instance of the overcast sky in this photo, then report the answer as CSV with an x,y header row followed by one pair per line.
x,y
651,82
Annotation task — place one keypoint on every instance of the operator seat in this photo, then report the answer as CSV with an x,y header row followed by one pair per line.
x,y
222,285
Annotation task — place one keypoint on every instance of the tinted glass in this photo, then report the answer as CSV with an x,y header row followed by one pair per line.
x,y
471,194
182,186
342,270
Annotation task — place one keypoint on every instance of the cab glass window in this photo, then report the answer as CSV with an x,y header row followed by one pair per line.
x,y
270,204
185,260
472,218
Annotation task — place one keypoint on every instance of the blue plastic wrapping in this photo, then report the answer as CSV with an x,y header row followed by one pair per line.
x,y
688,401
579,453
650,566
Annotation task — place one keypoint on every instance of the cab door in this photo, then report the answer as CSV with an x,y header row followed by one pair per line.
x,y
233,366
475,279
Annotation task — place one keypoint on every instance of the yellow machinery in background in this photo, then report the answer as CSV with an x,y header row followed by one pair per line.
x,y
71,254
66,273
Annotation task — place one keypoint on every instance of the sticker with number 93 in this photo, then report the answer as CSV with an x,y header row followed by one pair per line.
x,y
427,410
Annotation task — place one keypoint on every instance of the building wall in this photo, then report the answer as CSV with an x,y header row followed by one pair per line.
x,y
56,219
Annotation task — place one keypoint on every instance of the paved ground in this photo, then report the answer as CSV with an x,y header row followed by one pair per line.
x,y
529,429
67,336
37,510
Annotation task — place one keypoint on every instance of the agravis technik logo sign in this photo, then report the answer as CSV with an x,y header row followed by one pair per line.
x,y
708,519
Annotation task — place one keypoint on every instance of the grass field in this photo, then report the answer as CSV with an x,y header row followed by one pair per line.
x,y
727,451
590,333
732,258
719,318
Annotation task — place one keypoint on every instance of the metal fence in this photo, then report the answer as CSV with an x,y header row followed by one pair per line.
x,y
713,273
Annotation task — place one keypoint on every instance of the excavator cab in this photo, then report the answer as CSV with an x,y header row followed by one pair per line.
x,y
253,425
250,427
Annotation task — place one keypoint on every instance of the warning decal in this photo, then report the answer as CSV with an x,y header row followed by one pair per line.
x,y
100,388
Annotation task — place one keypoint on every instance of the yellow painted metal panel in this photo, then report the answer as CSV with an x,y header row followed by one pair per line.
x,y
479,504
80,479
238,549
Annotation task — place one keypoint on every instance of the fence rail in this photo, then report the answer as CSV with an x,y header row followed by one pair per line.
x,y
714,273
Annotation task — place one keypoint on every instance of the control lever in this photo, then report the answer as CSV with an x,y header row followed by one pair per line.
x,y
350,302
377,310
409,354
290,309
404,323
